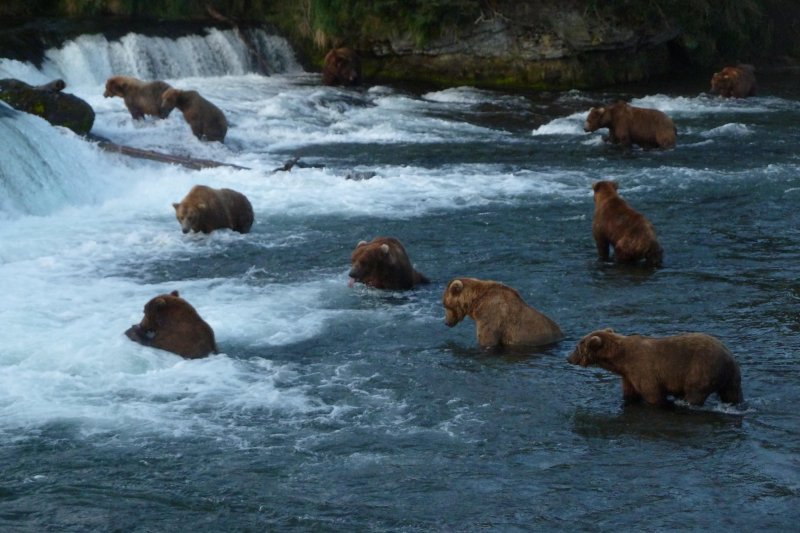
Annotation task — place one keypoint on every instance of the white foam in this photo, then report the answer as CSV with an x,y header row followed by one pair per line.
x,y
570,125
728,130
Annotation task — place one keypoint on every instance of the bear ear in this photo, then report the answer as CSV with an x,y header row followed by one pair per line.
x,y
595,342
456,286
595,185
385,248
201,207
174,293
176,206
614,184
360,244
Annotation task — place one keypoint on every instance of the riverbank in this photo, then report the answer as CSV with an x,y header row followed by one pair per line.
x,y
541,45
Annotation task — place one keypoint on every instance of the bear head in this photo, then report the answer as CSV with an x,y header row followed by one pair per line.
x,y
455,301
595,348
370,258
155,312
382,263
115,86
342,67
188,215
170,99
723,82
599,117
605,186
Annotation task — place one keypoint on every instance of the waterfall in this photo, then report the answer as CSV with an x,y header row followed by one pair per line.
x,y
91,59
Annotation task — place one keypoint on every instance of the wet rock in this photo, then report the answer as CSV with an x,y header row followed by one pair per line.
x,y
49,102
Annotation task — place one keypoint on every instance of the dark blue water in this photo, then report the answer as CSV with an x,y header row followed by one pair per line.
x,y
333,408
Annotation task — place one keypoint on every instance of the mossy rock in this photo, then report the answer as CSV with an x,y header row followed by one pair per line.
x,y
48,102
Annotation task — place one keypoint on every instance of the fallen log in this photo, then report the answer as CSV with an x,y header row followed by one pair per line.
x,y
189,162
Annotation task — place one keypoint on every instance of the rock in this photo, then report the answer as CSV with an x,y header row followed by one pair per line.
x,y
49,102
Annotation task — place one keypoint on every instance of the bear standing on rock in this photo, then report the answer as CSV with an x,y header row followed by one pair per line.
x,y
207,121
691,366
342,67
205,209
734,82
502,318
171,323
384,264
617,224
140,97
627,125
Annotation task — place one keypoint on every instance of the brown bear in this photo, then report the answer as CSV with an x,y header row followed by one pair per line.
x,y
691,366
342,67
171,323
734,82
627,125
141,97
206,209
617,224
502,318
207,121
384,264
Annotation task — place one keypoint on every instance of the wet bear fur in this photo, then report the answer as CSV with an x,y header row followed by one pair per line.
x,y
628,125
207,121
140,97
690,366
617,224
170,323
502,318
342,66
384,264
206,209
734,82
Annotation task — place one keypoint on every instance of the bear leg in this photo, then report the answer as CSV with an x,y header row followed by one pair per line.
x,y
629,393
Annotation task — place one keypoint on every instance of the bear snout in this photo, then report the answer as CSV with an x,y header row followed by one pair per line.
x,y
356,273
575,358
138,334
587,128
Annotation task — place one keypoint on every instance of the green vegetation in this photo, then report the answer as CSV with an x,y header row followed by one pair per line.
x,y
400,38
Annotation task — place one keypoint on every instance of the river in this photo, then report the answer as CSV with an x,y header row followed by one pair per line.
x,y
334,408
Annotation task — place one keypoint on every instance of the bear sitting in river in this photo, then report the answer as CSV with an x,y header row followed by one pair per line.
x,y
691,366
616,224
734,82
502,318
171,323
628,125
342,66
207,209
140,97
384,264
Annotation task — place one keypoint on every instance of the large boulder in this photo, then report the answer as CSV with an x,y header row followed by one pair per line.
x,y
49,102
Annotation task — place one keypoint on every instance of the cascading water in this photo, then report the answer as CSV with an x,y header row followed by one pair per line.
x,y
91,59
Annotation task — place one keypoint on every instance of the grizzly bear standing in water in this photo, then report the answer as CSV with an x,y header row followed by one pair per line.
x,y
691,366
207,209
627,125
140,97
384,264
616,224
171,323
502,318
342,67
207,121
734,82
